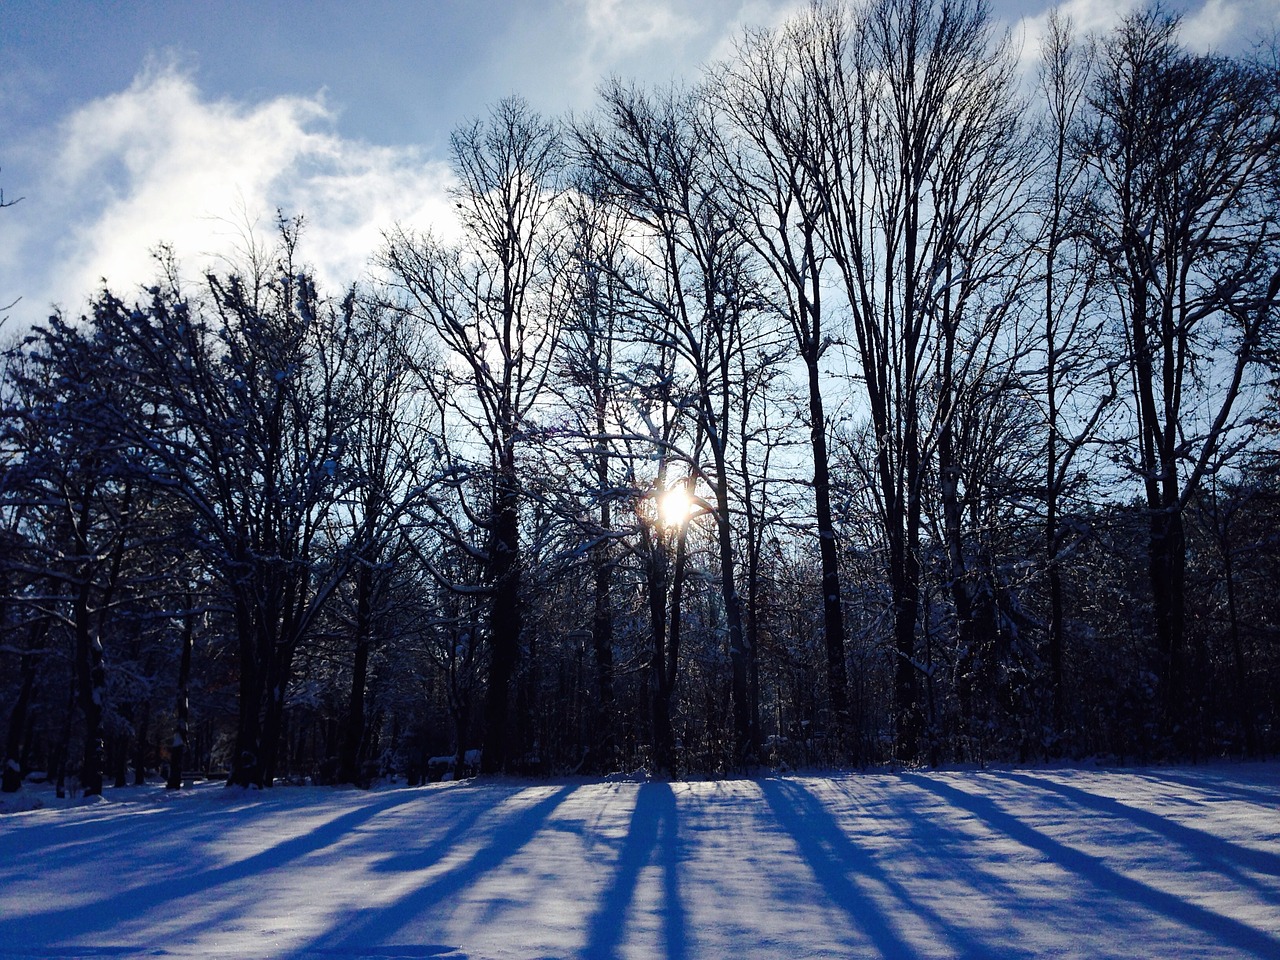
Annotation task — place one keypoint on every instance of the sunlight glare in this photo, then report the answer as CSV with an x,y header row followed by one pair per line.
x,y
676,506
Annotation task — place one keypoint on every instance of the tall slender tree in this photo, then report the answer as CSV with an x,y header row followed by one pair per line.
x,y
1073,376
766,102
490,303
653,154
917,133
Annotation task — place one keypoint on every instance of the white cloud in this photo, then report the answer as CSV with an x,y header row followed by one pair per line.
x,y
619,28
756,15
1085,17
157,163
1234,24
1223,25
618,34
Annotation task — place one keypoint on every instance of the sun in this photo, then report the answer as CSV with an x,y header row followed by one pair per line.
x,y
675,506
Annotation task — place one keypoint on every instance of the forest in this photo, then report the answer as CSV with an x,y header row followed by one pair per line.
x,y
862,402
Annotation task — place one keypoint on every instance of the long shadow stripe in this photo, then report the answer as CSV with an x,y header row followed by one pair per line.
x,y
654,829
66,923
831,856
1230,931
378,924
1213,852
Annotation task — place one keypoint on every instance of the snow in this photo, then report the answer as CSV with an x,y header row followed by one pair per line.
x,y
1060,862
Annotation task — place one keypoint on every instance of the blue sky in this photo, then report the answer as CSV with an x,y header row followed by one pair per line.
x,y
124,124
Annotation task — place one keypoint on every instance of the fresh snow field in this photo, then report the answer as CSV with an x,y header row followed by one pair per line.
x,y
1169,862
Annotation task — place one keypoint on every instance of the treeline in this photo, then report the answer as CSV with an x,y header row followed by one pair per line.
x,y
851,406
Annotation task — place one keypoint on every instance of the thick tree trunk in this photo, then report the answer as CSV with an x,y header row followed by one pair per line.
x,y
178,751
832,606
1168,557
91,681
12,777
273,726
506,623
246,764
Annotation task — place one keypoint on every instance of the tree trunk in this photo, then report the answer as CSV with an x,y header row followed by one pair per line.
x,y
178,751
753,614
91,682
659,694
246,764
604,749
745,726
969,655
12,778
1168,555
353,732
904,584
832,606
674,634
273,726
506,623
603,746
1057,676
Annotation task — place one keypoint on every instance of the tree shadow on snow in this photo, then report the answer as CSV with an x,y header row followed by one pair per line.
x,y
391,951
1115,886
1213,853
367,932
44,930
1216,782
845,871
654,834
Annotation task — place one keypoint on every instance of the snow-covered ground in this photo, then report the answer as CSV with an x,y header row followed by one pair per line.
x,y
1180,862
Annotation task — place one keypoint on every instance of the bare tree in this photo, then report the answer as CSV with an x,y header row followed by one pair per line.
x,y
391,462
767,102
653,155
490,303
592,382
919,175
1073,378
1185,148
247,429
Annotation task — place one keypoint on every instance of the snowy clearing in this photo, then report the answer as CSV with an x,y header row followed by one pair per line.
x,y
1180,862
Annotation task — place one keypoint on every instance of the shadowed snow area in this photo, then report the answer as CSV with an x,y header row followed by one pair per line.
x,y
1182,862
